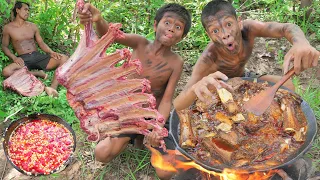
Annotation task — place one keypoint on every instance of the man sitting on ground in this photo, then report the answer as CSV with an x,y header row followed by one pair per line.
x,y
23,35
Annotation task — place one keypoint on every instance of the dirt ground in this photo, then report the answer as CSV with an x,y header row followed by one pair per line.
x,y
83,166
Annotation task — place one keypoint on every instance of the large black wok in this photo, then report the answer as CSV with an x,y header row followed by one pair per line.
x,y
11,128
311,134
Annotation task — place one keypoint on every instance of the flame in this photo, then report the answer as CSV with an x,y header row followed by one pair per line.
x,y
162,162
171,162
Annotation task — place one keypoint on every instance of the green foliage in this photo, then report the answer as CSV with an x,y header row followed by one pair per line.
x,y
4,12
310,94
54,19
12,102
284,12
4,58
280,57
61,33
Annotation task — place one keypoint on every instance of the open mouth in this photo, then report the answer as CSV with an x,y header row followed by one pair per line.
x,y
230,46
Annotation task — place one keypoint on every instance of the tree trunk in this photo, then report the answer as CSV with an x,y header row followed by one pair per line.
x,y
306,4
46,5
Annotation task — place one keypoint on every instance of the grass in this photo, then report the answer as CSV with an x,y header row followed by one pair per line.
x,y
311,94
131,164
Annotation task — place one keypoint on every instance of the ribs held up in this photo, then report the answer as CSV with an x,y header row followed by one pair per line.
x,y
103,99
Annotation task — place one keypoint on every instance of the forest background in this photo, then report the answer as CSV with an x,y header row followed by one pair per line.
x,y
61,31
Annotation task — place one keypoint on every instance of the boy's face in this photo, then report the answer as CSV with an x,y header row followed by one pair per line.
x,y
169,30
23,12
225,31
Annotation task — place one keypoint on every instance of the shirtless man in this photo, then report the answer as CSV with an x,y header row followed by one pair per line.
x,y
231,47
22,34
160,65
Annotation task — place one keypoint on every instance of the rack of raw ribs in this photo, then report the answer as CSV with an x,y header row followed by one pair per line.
x,y
103,99
23,82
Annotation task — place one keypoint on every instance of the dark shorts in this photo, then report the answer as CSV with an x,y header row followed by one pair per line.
x,y
252,74
36,60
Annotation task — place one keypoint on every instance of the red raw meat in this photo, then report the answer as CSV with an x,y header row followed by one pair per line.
x,y
24,83
103,99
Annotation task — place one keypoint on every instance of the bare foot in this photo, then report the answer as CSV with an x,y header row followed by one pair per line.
x,y
45,76
51,92
40,74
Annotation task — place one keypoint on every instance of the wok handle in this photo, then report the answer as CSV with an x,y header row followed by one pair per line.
x,y
286,77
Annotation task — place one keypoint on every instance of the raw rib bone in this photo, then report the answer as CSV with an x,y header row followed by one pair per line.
x,y
103,99
127,100
24,83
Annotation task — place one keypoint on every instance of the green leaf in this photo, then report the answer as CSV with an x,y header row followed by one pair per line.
x,y
3,114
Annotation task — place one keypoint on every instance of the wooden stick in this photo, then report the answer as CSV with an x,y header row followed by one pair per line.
x,y
12,115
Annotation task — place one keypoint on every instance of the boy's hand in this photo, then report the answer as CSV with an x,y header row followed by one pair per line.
x,y
19,61
152,139
89,13
304,56
55,55
210,82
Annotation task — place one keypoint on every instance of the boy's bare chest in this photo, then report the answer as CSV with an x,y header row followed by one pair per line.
x,y
156,70
22,33
232,66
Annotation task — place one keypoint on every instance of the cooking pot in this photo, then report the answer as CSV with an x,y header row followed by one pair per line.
x,y
11,128
174,132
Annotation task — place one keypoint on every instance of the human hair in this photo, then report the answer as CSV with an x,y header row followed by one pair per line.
x,y
215,6
177,9
18,5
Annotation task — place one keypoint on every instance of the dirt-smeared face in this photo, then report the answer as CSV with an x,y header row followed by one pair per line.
x,y
23,12
169,30
225,31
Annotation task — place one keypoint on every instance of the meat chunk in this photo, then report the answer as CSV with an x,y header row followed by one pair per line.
x,y
24,83
290,121
186,133
227,101
219,146
103,99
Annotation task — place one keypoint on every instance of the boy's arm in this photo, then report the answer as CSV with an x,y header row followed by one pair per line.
x,y
204,77
187,96
6,50
91,13
303,54
165,104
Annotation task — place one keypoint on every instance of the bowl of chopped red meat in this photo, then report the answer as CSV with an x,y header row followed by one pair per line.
x,y
39,144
